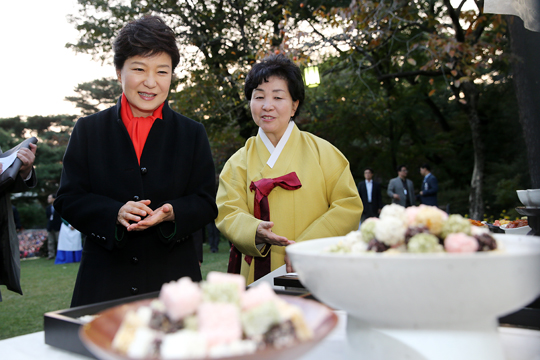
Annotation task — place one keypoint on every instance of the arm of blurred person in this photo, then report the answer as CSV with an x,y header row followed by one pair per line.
x,y
27,178
27,157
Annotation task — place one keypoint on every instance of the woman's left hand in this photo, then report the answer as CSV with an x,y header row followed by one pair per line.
x,y
164,213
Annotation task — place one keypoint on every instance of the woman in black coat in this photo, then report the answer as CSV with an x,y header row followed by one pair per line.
x,y
137,178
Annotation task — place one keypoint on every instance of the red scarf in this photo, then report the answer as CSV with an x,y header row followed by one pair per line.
x,y
138,128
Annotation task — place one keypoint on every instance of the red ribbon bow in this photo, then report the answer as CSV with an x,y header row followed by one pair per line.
x,y
262,189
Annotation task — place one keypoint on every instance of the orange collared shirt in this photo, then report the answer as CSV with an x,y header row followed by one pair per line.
x,y
138,128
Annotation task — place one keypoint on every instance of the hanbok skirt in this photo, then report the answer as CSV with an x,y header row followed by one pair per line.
x,y
69,245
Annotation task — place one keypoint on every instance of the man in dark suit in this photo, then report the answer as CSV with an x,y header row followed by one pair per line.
x,y
54,222
430,187
401,189
370,193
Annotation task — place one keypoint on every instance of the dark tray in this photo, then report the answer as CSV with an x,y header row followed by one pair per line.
x,y
528,317
289,281
495,229
62,327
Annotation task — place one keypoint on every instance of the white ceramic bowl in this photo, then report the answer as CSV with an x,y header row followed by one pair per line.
x,y
522,230
411,290
423,306
534,197
523,197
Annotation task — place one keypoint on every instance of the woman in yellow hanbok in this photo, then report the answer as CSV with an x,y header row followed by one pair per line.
x,y
284,185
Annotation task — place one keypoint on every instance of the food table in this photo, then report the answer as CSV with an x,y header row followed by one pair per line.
x,y
518,344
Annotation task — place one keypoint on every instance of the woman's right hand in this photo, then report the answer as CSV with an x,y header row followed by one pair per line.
x,y
264,235
133,211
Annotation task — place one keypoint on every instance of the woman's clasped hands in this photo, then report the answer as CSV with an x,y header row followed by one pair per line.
x,y
138,216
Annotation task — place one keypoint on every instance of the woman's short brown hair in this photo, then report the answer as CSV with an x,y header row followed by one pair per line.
x,y
146,36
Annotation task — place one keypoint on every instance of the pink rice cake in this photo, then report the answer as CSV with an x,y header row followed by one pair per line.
x,y
181,298
257,295
460,243
219,323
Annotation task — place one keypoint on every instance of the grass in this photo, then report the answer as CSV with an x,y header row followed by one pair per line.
x,y
48,287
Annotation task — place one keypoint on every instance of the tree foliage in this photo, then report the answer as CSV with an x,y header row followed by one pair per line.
x,y
219,40
96,95
442,51
403,81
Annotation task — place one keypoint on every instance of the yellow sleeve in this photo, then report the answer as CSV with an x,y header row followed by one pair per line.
x,y
235,219
345,206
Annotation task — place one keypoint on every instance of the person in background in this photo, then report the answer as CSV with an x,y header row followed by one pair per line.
x,y
69,245
138,178
401,189
10,269
54,222
370,193
430,186
284,185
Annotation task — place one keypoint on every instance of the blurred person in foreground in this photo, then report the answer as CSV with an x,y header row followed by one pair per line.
x,y
284,185
138,178
10,269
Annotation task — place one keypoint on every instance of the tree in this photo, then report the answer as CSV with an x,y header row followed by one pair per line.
x,y
393,86
416,42
96,95
219,40
525,45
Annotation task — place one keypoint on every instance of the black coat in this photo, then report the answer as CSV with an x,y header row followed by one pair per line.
x,y
429,189
376,199
101,173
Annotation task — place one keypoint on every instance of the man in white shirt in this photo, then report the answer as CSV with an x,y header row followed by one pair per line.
x,y
370,193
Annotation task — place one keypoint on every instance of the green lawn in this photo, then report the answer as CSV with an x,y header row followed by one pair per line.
x,y
48,287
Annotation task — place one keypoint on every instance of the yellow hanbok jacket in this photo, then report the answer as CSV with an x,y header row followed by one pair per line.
x,y
326,205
